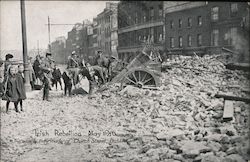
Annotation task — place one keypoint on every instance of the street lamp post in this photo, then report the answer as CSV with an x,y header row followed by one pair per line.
x,y
25,57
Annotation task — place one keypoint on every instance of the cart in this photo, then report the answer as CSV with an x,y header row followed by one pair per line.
x,y
144,71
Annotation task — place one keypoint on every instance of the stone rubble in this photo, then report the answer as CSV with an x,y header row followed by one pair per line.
x,y
180,122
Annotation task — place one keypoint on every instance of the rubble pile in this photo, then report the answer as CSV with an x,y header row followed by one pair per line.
x,y
182,121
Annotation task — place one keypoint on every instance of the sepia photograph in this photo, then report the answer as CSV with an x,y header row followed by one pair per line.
x,y
124,81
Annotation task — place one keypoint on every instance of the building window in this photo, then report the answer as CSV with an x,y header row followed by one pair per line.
x,y
180,42
215,13
189,22
199,40
144,17
189,41
171,24
234,8
136,17
151,13
232,36
180,23
199,20
215,37
160,11
171,42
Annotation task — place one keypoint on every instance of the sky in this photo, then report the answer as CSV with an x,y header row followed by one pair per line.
x,y
37,12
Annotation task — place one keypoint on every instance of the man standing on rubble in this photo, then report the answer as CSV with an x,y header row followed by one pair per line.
x,y
73,66
47,68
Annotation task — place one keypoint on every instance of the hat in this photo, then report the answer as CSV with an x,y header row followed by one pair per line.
x,y
73,53
9,56
99,51
48,54
113,57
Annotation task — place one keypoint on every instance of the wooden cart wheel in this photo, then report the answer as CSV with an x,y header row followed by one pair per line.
x,y
141,78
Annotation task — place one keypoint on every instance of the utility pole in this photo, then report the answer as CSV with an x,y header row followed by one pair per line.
x,y
38,47
49,25
25,57
49,34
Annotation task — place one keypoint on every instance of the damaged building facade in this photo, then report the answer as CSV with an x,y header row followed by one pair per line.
x,y
138,22
174,28
207,27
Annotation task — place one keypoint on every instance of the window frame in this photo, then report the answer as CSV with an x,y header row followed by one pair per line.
x,y
215,14
171,24
189,22
180,23
189,41
234,11
199,40
180,41
171,42
199,20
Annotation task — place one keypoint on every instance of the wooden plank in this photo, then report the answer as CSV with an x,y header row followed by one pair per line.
x,y
228,110
235,98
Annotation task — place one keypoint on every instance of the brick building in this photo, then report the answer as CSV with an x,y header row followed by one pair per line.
x,y
139,21
58,49
205,27
104,28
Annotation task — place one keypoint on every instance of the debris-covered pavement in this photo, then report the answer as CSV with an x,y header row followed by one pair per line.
x,y
181,121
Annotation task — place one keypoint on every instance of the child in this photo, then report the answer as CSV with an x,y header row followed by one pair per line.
x,y
67,79
56,77
21,82
11,88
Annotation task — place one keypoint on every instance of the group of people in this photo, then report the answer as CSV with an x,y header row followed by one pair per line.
x,y
12,83
101,71
45,71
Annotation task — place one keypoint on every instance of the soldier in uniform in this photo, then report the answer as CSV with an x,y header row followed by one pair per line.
x,y
73,66
47,68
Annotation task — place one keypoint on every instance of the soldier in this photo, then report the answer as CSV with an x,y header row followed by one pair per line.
x,y
73,66
47,68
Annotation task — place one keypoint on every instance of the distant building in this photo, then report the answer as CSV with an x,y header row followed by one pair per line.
x,y
138,22
206,27
104,28
58,49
